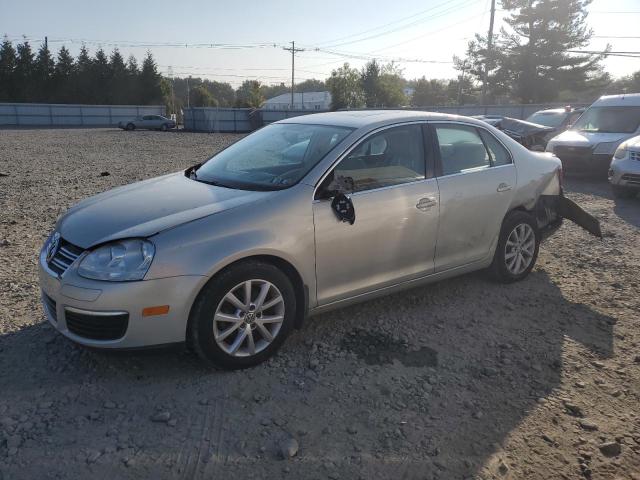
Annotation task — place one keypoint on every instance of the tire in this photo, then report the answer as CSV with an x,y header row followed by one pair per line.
x,y
130,126
504,268
620,191
212,310
164,127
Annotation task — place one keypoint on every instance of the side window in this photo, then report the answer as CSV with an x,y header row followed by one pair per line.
x,y
390,157
148,117
461,149
499,154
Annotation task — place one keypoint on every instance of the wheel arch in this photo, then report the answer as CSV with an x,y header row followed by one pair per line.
x,y
299,286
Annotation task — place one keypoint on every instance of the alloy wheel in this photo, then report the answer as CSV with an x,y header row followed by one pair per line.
x,y
520,248
248,318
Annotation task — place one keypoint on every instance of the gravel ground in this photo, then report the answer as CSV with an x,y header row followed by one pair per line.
x,y
461,379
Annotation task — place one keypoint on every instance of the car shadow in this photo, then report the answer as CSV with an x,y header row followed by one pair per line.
x,y
427,383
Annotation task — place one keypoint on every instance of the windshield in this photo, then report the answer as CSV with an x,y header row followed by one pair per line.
x,y
609,120
272,158
548,119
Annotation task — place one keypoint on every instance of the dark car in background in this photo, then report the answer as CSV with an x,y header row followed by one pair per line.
x,y
558,118
148,122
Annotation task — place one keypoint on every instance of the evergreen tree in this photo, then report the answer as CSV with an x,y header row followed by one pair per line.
x,y
100,78
118,79
149,82
536,47
8,60
43,68
23,73
83,85
131,95
64,77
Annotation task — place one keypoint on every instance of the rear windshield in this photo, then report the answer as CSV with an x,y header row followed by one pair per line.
x,y
548,119
609,120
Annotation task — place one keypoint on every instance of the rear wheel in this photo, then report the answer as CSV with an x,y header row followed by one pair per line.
x,y
620,191
243,315
517,248
131,126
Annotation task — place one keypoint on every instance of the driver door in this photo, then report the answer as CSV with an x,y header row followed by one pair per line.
x,y
396,204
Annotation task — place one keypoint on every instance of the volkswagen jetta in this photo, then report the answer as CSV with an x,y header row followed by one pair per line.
x,y
304,215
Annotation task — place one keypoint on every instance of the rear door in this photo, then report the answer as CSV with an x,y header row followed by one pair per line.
x,y
395,198
476,180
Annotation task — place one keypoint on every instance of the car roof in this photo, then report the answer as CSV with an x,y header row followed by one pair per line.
x,y
363,118
552,110
626,100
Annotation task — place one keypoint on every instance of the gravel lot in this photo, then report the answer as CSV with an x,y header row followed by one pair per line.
x,y
461,379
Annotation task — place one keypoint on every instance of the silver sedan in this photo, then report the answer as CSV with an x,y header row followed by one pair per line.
x,y
305,215
148,122
624,172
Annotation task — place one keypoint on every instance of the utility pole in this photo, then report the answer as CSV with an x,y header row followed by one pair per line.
x,y
489,56
188,93
293,51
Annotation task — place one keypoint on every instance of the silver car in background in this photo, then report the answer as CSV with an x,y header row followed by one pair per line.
x,y
305,215
624,173
148,122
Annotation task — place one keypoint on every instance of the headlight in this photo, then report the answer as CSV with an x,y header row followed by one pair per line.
x,y
621,151
606,148
118,261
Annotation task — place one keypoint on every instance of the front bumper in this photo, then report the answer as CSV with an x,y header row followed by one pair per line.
x,y
582,160
109,301
625,172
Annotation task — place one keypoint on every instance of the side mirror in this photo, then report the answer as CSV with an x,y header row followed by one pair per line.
x,y
343,208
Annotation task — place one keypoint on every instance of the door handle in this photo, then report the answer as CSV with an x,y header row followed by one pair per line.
x,y
503,187
426,203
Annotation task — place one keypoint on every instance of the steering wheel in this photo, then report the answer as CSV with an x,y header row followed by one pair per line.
x,y
283,178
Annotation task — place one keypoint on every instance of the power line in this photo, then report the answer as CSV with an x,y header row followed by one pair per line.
x,y
409,25
329,42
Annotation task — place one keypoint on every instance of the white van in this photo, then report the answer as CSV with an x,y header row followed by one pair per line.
x,y
587,147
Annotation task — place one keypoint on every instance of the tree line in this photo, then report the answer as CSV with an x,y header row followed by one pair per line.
x,y
28,76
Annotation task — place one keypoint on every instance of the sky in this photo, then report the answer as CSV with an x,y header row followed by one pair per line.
x,y
248,36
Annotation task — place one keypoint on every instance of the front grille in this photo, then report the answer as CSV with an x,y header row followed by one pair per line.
x,y
572,152
634,155
64,257
50,305
631,178
97,326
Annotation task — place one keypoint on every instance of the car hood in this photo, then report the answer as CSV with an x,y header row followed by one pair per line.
x,y
576,138
148,207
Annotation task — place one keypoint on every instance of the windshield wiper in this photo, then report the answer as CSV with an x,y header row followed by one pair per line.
x,y
191,173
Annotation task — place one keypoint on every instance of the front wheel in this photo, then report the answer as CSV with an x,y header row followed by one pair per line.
x,y
242,316
517,248
164,127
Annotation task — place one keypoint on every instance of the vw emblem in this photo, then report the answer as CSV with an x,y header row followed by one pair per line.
x,y
52,248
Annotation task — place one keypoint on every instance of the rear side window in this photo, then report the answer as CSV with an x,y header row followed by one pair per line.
x,y
499,154
461,149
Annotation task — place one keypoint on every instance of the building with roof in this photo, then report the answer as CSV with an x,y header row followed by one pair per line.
x,y
301,101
